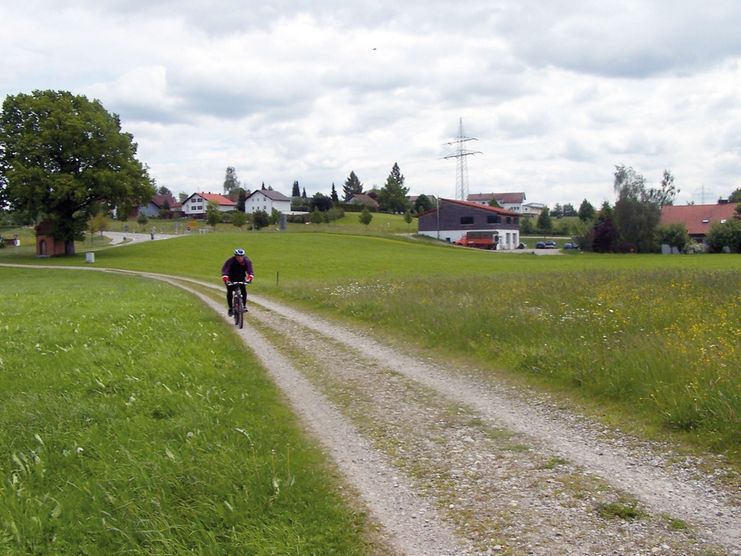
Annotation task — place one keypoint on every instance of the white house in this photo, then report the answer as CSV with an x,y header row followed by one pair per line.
x,y
196,204
532,209
267,200
508,201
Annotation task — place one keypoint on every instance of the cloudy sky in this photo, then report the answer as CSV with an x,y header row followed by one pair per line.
x,y
557,92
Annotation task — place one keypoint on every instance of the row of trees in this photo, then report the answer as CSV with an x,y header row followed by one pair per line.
x,y
632,224
392,197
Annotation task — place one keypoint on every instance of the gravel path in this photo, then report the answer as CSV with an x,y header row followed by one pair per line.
x,y
451,461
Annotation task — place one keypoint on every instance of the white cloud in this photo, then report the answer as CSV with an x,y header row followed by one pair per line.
x,y
556,92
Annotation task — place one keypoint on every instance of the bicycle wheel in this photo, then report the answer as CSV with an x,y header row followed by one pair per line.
x,y
238,310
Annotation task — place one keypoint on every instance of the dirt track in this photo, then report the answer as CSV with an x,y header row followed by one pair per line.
x,y
450,461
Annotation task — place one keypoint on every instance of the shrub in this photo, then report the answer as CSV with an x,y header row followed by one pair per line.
x,y
675,235
260,219
725,234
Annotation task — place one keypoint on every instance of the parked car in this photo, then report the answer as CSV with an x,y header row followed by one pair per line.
x,y
570,246
540,245
550,244
522,245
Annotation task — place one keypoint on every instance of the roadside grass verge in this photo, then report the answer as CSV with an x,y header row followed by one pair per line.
x,y
132,420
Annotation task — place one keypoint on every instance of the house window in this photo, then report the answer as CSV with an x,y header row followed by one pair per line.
x,y
466,219
492,219
509,220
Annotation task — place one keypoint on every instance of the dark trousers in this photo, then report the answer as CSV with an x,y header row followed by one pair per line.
x,y
242,290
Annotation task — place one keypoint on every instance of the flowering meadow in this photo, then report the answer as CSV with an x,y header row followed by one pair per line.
x,y
662,344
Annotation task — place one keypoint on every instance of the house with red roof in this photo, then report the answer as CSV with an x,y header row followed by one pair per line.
x,y
698,218
451,219
196,205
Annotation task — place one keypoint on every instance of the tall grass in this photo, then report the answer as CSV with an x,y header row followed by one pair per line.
x,y
133,421
664,343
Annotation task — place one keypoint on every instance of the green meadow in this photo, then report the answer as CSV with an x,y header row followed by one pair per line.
x,y
647,339
132,420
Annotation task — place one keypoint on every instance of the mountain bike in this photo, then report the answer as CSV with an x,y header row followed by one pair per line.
x,y
238,305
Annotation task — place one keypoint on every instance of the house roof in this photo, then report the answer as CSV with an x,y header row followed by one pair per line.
x,y
697,218
363,199
270,194
472,205
159,201
509,198
216,198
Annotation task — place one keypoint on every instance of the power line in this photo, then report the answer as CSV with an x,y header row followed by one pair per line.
x,y
461,164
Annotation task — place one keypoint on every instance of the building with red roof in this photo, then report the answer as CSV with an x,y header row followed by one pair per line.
x,y
698,218
197,203
452,219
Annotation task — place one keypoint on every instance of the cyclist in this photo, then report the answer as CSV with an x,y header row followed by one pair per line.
x,y
237,269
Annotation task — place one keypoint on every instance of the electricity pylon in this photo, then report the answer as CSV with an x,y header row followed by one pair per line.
x,y
461,164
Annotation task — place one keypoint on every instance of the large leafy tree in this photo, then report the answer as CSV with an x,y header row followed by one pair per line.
x,y
638,208
63,157
231,182
393,195
352,186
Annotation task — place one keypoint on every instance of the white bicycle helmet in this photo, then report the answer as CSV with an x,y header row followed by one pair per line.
x,y
239,252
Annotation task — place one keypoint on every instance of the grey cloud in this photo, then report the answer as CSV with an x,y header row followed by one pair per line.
x,y
628,39
577,151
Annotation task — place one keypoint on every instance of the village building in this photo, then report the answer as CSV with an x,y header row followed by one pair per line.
x,y
698,218
161,206
452,219
508,201
267,200
47,245
365,200
195,206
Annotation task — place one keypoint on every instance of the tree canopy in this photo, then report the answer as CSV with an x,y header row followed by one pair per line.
x,y
545,225
393,195
63,157
586,211
638,208
352,186
231,182
422,203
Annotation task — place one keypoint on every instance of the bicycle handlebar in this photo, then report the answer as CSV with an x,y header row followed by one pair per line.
x,y
237,283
